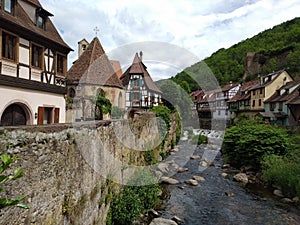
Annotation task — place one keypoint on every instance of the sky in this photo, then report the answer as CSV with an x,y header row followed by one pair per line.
x,y
193,29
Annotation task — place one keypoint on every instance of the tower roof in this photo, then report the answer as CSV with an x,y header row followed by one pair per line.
x,y
93,67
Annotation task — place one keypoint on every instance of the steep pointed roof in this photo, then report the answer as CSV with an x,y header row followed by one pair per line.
x,y
138,67
20,23
93,67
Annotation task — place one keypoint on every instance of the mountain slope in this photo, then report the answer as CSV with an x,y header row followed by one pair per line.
x,y
268,51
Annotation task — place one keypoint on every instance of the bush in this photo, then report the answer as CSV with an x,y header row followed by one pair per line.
x,y
246,144
134,199
164,113
117,113
199,139
282,172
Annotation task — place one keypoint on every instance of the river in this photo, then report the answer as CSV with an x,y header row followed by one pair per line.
x,y
208,204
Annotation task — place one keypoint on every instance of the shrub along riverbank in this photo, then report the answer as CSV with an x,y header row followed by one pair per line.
x,y
270,150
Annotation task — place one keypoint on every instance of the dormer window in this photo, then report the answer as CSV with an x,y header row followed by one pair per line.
x,y
9,6
41,17
40,22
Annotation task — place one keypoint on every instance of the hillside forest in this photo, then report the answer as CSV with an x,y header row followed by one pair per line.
x,y
272,50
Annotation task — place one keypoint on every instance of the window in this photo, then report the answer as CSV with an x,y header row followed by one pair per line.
x,y
261,91
9,6
259,102
253,92
40,22
272,106
36,56
253,103
9,46
60,64
280,106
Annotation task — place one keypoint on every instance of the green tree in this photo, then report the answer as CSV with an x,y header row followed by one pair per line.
x,y
6,161
247,143
102,105
185,86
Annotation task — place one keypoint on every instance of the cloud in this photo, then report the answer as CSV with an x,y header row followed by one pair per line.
x,y
201,27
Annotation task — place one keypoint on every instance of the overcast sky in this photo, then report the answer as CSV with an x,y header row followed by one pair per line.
x,y
196,27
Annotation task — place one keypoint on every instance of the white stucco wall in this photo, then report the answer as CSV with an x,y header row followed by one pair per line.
x,y
32,99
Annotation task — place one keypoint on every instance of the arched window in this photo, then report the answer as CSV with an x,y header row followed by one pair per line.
x,y
120,100
71,92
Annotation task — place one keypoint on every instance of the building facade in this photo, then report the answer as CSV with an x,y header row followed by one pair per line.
x,y
141,91
92,74
33,65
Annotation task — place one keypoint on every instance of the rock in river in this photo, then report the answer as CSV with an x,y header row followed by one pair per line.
x,y
241,177
169,180
162,221
191,182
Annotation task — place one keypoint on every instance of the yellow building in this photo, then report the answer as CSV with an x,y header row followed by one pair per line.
x,y
267,86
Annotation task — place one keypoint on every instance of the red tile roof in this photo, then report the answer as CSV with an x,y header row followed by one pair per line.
x,y
94,67
241,95
117,67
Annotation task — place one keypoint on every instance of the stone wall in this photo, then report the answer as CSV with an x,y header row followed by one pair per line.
x,y
66,168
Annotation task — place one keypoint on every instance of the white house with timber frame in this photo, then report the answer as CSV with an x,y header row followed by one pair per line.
x,y
33,65
141,91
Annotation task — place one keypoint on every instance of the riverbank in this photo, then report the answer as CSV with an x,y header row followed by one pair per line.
x,y
218,199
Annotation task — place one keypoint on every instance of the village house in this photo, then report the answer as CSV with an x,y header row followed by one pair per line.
x,y
223,95
92,74
33,65
141,91
277,110
205,106
267,86
293,104
240,103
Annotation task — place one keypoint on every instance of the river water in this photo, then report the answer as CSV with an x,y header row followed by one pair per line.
x,y
208,204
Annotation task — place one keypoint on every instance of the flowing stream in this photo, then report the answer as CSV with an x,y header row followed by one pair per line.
x,y
208,204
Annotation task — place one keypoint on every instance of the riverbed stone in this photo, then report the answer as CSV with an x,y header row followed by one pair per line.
x,y
296,199
163,167
191,182
229,193
169,180
177,219
195,157
278,193
199,178
241,177
203,163
182,169
224,175
225,166
286,200
162,221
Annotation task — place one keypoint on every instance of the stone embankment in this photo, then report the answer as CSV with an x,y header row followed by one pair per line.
x,y
72,171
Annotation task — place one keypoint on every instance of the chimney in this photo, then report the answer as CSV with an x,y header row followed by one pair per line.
x,y
141,56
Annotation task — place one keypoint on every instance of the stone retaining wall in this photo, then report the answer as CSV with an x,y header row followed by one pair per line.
x,y
66,168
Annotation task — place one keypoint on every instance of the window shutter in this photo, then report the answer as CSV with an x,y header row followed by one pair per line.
x,y
40,116
56,115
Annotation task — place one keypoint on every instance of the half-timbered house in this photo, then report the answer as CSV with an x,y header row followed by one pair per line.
x,y
141,91
33,65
